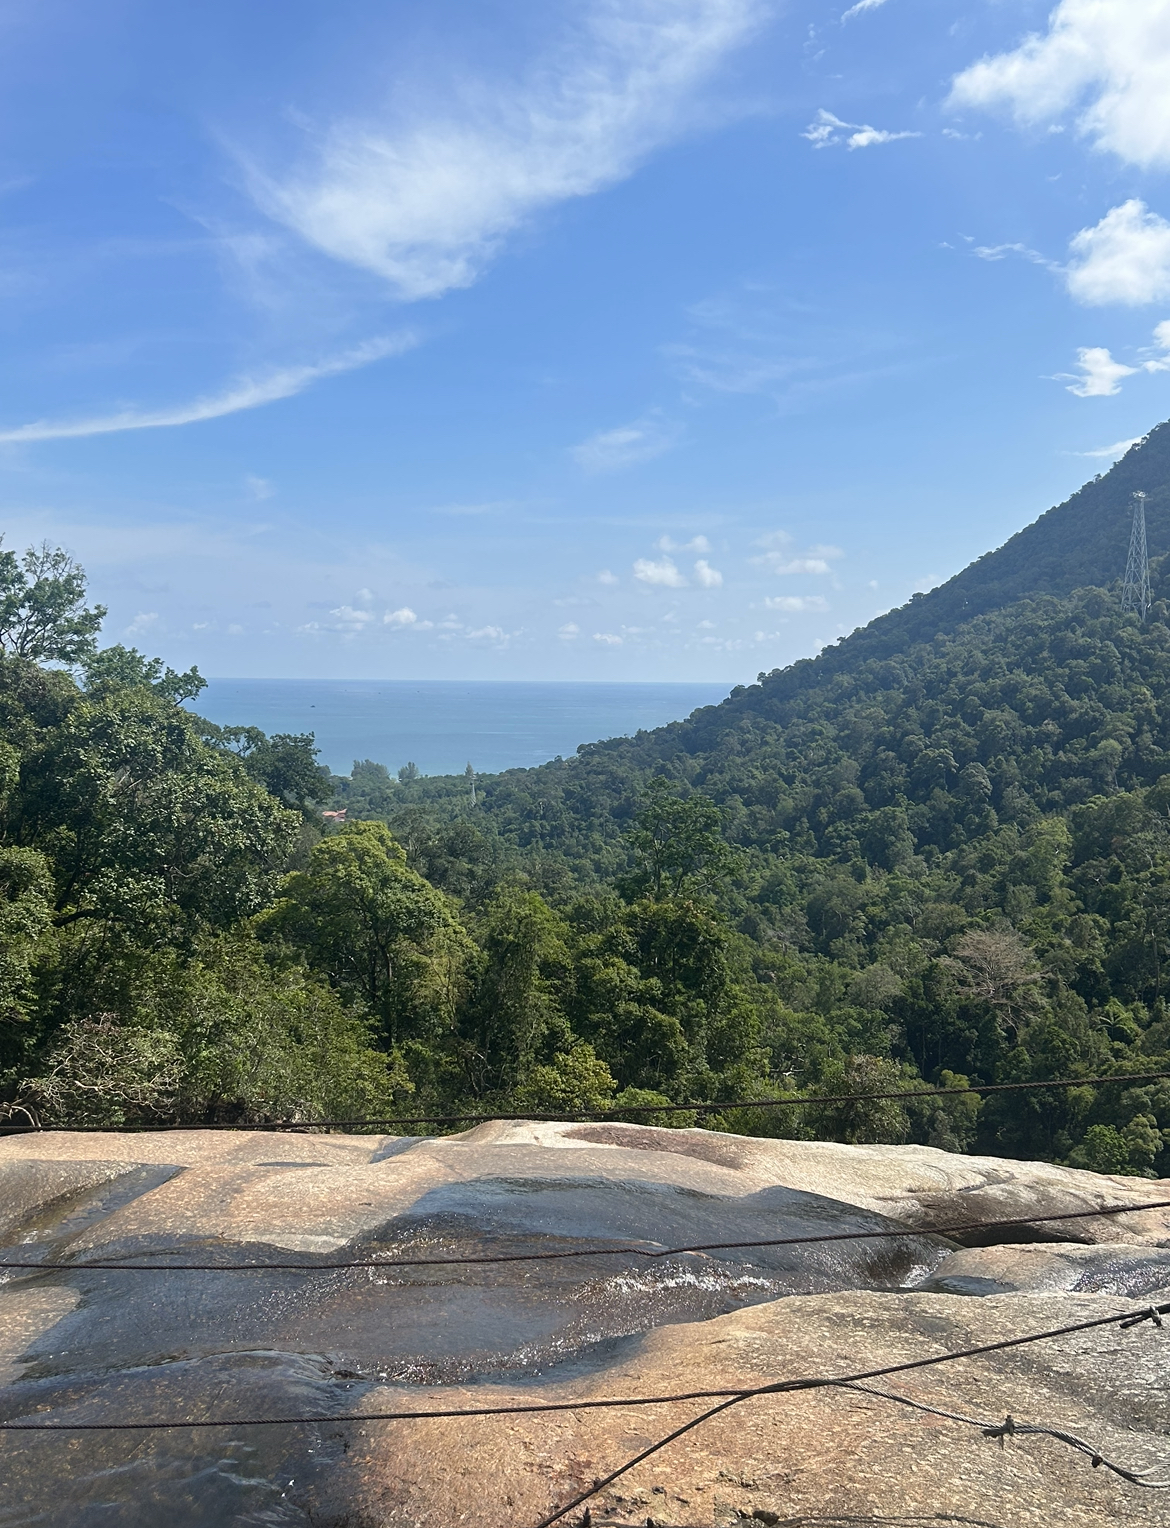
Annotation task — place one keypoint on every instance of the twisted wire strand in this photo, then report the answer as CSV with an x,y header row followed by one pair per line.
x,y
578,1252
1152,1313
1011,1428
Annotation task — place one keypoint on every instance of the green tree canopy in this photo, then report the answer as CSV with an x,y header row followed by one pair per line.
x,y
678,843
380,933
43,616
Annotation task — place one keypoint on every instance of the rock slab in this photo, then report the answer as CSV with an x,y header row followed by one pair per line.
x,y
164,1344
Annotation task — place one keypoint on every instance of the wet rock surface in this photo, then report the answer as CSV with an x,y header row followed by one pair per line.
x,y
92,1345
1107,1268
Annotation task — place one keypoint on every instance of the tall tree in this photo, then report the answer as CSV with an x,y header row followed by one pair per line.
x,y
43,615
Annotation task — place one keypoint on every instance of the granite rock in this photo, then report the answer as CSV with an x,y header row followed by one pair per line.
x,y
91,1345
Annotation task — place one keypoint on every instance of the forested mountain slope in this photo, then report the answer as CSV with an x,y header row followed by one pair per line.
x,y
953,832
1080,542
935,652
939,852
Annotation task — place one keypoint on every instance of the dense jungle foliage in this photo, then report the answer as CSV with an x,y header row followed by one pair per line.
x,y
940,853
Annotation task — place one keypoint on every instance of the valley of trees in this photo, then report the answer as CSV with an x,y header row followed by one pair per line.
x,y
938,860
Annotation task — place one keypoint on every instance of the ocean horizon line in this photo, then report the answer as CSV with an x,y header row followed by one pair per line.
x,y
441,725
334,679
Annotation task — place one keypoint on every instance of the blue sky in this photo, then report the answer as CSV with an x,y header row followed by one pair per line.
x,y
625,339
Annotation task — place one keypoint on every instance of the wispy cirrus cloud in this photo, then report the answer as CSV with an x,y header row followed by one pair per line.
x,y
757,341
425,202
247,393
1002,251
627,445
1110,453
861,7
827,131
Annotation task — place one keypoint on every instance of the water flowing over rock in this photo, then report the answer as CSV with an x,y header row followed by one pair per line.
x,y
95,1345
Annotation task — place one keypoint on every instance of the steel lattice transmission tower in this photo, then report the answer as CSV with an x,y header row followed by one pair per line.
x,y
1135,591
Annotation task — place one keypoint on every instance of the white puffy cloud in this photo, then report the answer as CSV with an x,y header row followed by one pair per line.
x,y
248,393
1125,258
663,573
403,617
777,559
347,618
1107,60
1099,373
706,576
775,562
424,200
607,638
627,445
142,622
827,131
794,604
1162,343
569,631
608,578
1100,376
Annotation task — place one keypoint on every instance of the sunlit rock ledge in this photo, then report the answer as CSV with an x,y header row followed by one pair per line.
x,y
91,1345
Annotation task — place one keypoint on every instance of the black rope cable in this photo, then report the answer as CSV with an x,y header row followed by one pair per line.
x,y
1011,1428
1134,1318
606,1116
547,1257
1123,1319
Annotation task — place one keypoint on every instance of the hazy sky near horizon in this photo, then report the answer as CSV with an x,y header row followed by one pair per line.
x,y
624,339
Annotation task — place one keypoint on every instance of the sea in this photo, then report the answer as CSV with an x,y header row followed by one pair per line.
x,y
443,725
